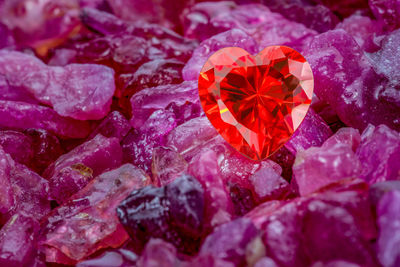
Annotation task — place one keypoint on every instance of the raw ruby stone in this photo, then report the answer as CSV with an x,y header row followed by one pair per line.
x,y
256,102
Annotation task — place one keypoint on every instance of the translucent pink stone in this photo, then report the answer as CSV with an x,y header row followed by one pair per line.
x,y
18,145
20,115
82,92
99,154
319,166
313,131
6,190
229,241
164,12
30,192
268,184
139,143
379,152
112,258
42,24
46,147
386,11
9,92
314,226
336,53
362,28
6,38
219,207
68,181
388,223
88,221
18,238
196,19
378,190
335,263
346,135
158,252
232,38
265,262
207,260
315,16
260,23
22,190
149,100
167,165
114,125
187,136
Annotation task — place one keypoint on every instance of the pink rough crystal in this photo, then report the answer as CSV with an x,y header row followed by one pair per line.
x,y
22,190
362,28
336,53
346,135
139,143
335,263
344,8
165,12
9,92
268,184
6,196
229,241
207,260
310,229
167,165
189,135
82,92
68,181
219,207
20,115
259,22
34,148
18,239
313,131
319,166
149,100
88,221
386,11
266,262
388,221
315,16
113,258
156,253
99,154
384,64
41,24
114,125
196,19
46,147
18,145
6,37
378,190
379,153
200,55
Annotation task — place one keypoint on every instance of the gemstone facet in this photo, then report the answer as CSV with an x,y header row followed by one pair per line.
x,y
256,102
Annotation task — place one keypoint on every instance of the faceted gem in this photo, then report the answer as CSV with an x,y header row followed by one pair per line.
x,y
256,102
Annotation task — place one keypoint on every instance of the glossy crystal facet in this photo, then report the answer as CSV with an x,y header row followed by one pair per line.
x,y
256,102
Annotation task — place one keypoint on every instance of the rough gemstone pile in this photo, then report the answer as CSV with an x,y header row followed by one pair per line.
x,y
108,156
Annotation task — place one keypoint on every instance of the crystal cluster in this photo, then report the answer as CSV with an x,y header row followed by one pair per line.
x,y
108,158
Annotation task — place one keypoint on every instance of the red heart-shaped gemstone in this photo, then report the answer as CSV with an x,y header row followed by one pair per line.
x,y
256,102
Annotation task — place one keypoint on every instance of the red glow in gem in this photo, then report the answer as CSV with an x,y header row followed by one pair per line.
x,y
256,102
